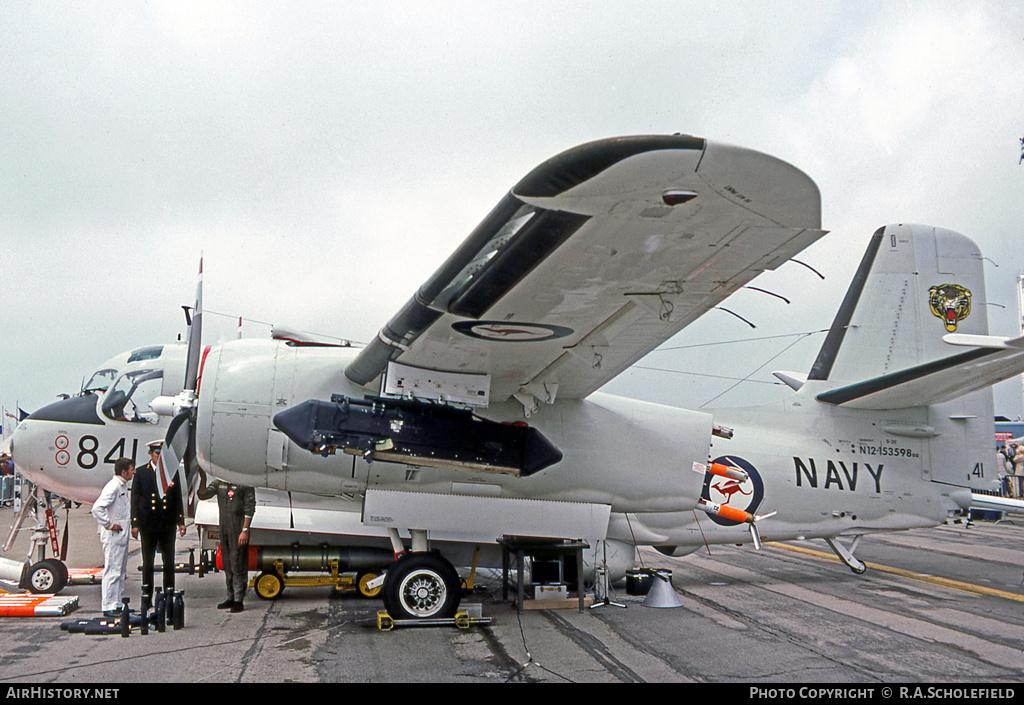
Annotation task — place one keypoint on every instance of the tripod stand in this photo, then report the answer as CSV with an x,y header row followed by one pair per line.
x,y
602,576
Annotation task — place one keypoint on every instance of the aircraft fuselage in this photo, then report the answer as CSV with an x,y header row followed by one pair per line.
x,y
826,471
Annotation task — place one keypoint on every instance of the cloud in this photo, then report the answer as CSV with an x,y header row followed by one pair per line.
x,y
325,158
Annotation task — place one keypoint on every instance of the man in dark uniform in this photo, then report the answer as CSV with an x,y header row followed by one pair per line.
x,y
155,519
236,505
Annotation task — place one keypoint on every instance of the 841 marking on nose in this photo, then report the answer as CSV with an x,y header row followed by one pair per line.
x,y
88,454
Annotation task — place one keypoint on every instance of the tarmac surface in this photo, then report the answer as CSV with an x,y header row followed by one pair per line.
x,y
936,606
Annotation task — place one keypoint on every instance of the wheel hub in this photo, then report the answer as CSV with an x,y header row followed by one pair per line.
x,y
42,579
424,592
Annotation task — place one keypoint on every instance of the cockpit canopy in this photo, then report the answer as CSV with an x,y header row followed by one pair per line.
x,y
100,381
129,398
122,388
127,383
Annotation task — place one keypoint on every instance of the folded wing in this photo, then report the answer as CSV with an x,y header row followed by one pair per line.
x,y
594,259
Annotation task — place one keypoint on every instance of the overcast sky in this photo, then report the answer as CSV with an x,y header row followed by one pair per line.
x,y
325,158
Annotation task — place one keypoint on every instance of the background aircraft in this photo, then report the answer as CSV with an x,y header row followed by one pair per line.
x,y
69,447
474,415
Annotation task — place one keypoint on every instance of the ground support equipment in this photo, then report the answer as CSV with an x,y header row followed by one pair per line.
x,y
30,605
271,583
462,620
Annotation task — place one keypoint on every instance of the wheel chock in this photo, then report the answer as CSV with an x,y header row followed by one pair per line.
x,y
462,620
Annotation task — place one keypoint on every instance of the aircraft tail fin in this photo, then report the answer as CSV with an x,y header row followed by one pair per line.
x,y
913,330
911,340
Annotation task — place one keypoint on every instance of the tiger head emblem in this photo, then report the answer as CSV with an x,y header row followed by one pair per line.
x,y
951,303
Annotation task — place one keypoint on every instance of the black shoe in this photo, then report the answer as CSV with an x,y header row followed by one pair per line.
x,y
227,604
112,613
237,607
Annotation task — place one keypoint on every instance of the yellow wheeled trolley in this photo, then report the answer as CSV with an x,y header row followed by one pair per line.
x,y
345,569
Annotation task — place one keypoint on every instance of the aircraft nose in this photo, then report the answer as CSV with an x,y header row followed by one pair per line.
x,y
80,409
57,448
21,446
10,447
33,444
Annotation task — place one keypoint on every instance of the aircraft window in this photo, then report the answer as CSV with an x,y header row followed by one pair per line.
x,y
129,398
100,381
150,353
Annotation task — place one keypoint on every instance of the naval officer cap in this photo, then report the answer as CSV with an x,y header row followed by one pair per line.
x,y
156,445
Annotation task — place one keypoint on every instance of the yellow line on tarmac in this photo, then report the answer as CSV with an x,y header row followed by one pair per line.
x,y
920,577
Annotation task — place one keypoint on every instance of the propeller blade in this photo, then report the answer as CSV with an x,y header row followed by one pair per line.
x,y
179,446
753,528
176,458
195,336
186,399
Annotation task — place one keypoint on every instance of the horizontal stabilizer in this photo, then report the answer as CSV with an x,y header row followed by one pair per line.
x,y
999,504
985,341
936,381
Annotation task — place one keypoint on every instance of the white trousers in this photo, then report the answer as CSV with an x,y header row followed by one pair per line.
x,y
115,565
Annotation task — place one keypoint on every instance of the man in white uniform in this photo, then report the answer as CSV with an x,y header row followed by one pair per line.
x,y
113,512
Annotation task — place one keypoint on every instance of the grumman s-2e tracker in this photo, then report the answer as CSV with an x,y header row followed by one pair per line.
x,y
474,413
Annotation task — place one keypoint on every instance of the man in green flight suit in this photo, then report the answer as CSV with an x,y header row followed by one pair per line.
x,y
236,505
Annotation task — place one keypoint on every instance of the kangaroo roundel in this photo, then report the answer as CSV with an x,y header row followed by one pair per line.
x,y
745,496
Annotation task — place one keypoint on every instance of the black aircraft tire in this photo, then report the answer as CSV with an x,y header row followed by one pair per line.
x,y
46,577
422,586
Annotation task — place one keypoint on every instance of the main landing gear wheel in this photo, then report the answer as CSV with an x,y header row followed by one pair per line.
x,y
269,585
47,576
422,586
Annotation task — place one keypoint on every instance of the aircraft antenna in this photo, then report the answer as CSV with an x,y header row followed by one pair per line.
x,y
770,293
633,535
702,536
793,259
722,308
754,371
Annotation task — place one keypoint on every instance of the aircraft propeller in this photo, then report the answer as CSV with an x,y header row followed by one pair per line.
x,y
737,515
178,457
